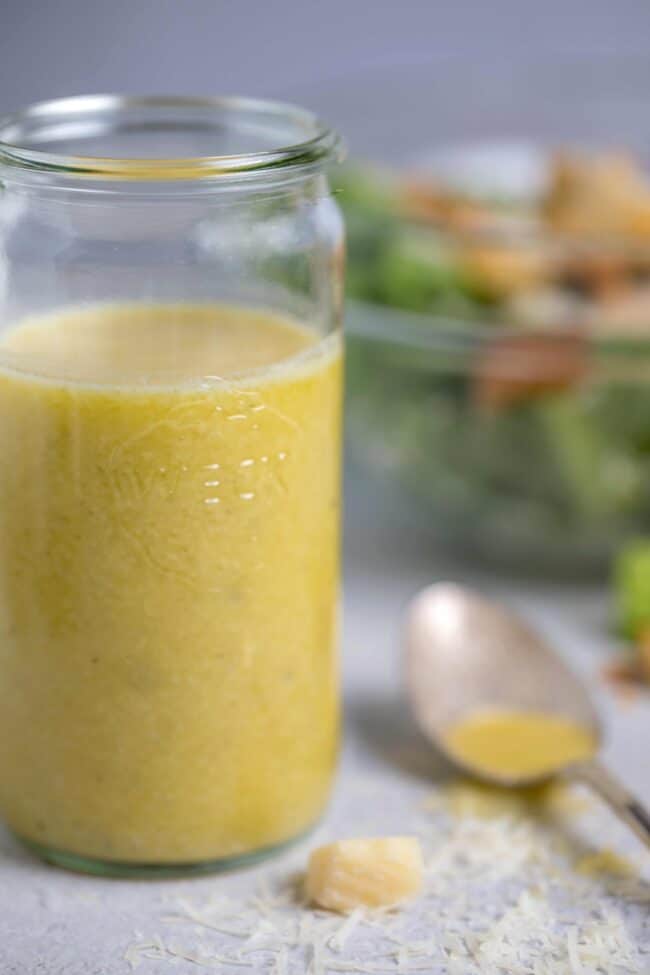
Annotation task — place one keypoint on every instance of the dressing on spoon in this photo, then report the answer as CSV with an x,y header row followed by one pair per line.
x,y
496,700
514,743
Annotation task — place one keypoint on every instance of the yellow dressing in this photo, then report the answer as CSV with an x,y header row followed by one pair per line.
x,y
604,862
519,744
474,799
169,494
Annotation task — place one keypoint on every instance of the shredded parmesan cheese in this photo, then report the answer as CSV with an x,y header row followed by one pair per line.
x,y
510,893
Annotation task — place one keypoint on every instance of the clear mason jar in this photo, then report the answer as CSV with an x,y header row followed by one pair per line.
x,y
170,372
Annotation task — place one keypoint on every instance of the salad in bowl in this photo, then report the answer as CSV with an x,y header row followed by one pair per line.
x,y
499,347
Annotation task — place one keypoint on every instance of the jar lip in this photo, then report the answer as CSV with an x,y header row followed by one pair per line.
x,y
304,141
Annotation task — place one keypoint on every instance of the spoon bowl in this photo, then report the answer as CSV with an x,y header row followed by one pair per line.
x,y
466,655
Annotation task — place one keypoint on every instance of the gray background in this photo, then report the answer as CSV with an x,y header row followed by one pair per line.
x,y
368,64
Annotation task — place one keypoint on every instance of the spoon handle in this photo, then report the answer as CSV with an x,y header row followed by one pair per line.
x,y
628,808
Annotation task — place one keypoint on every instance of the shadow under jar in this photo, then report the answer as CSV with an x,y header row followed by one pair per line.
x,y
170,373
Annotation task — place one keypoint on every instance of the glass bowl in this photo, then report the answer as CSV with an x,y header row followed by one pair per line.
x,y
526,444
529,450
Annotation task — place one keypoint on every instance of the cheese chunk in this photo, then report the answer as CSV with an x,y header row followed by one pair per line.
x,y
364,872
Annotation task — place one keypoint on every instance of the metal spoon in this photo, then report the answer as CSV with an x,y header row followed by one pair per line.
x,y
466,654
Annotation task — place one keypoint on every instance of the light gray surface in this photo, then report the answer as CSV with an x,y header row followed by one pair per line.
x,y
54,923
72,46
395,77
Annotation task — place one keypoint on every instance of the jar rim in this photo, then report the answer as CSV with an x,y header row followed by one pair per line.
x,y
303,140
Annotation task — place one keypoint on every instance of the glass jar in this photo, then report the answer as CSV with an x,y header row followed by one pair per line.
x,y
170,373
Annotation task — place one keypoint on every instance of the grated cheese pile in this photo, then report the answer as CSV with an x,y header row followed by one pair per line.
x,y
507,892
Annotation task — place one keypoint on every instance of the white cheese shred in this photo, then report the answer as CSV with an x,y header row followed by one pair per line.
x,y
502,897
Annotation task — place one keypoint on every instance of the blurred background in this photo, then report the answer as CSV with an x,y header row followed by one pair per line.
x,y
498,207
299,49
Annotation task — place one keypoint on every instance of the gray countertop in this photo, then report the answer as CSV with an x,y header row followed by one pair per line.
x,y
483,875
